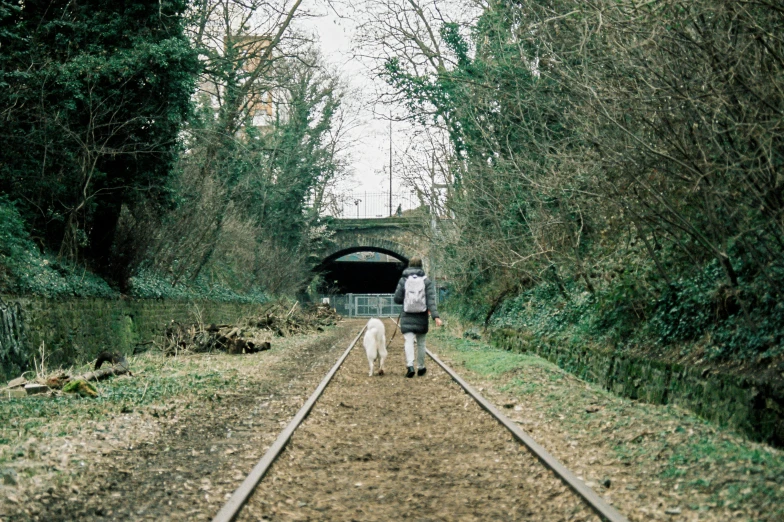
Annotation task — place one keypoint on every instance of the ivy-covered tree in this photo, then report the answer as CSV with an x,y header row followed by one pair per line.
x,y
629,152
248,211
92,95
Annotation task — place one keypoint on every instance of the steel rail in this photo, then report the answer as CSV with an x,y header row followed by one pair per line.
x,y
232,507
602,508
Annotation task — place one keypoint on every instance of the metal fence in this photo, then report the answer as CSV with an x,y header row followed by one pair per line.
x,y
376,204
364,305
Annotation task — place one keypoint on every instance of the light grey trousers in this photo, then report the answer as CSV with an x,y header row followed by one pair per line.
x,y
409,347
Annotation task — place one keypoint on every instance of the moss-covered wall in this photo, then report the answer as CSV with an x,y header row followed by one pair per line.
x,y
755,408
76,330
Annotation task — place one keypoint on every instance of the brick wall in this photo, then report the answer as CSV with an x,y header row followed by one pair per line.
x,y
75,330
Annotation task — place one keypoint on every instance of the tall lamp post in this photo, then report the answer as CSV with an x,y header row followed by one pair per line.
x,y
390,165
357,202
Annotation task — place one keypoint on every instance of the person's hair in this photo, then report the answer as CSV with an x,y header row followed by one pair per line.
x,y
415,262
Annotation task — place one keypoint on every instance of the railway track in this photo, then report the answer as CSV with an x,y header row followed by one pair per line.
x,y
381,448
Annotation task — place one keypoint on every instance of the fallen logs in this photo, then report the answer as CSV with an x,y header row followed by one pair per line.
x,y
297,319
119,367
60,380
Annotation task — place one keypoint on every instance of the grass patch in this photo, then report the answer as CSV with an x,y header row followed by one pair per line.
x,y
490,361
157,381
161,386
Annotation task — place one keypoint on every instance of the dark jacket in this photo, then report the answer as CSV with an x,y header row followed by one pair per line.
x,y
416,323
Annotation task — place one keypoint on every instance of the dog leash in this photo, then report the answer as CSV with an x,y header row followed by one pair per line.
x,y
397,325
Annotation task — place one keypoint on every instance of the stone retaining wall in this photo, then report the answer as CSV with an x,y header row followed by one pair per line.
x,y
76,330
755,408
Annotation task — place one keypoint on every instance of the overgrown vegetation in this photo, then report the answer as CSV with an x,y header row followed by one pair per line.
x,y
174,149
24,269
94,95
615,166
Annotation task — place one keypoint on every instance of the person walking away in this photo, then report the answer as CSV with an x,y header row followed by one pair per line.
x,y
416,292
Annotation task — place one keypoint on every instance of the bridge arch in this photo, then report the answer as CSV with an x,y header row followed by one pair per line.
x,y
369,277
400,238
360,243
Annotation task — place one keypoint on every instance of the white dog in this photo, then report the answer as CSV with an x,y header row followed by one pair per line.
x,y
375,342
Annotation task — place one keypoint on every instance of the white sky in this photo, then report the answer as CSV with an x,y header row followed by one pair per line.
x,y
370,155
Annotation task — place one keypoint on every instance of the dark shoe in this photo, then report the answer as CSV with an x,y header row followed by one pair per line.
x,y
410,372
421,371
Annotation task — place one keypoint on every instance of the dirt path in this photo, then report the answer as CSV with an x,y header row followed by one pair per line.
x,y
195,453
387,448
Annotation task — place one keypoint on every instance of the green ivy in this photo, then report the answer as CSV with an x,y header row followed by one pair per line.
x,y
743,323
25,270
150,285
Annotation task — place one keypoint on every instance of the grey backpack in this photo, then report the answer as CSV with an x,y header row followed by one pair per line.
x,y
415,300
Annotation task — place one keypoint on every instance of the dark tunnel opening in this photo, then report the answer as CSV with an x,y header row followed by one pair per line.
x,y
361,273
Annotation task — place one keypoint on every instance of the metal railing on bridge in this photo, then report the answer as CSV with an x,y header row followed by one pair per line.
x,y
364,305
369,205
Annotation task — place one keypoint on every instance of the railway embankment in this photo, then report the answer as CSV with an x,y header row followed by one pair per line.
x,y
170,442
749,402
653,461
173,441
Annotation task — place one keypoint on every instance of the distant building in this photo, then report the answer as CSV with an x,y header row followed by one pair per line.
x,y
243,55
260,106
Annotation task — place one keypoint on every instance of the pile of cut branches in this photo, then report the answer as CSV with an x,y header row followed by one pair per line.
x,y
251,335
200,338
296,319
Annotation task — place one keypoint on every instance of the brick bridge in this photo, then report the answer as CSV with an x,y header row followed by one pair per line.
x,y
400,237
